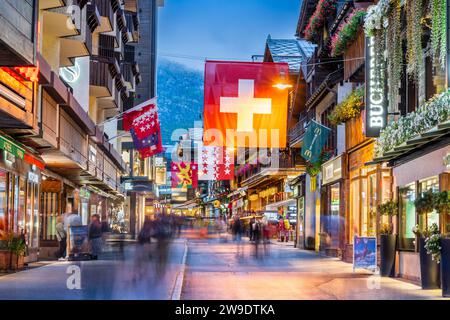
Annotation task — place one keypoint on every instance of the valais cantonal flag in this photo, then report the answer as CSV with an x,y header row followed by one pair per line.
x,y
146,124
215,163
241,96
128,117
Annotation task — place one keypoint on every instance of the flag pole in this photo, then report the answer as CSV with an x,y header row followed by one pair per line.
x,y
136,108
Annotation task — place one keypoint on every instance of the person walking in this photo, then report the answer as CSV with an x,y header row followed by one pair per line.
x,y
237,232
71,219
287,228
61,236
281,229
95,236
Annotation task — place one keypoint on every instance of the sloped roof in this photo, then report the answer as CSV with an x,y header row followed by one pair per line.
x,y
291,51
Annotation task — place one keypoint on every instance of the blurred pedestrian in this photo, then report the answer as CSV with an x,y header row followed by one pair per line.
x,y
61,236
281,229
256,228
95,236
237,232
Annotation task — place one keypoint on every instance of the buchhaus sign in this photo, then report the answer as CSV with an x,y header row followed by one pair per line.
x,y
376,104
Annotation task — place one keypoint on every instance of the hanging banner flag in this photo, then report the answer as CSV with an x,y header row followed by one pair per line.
x,y
242,104
129,115
150,145
315,139
146,124
216,163
184,175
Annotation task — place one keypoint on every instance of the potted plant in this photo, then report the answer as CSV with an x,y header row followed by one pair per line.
x,y
17,248
5,255
388,240
429,267
424,203
441,203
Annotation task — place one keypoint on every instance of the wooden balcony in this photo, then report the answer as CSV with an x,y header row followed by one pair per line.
x,y
99,164
75,38
354,135
107,15
133,25
72,141
17,33
101,79
353,64
16,101
297,133
49,115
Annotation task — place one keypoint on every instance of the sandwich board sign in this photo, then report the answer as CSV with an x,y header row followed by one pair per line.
x,y
365,253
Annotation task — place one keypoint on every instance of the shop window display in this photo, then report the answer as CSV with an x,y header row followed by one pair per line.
x,y
426,220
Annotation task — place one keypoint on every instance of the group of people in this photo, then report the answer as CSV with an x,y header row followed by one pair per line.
x,y
162,228
71,218
258,232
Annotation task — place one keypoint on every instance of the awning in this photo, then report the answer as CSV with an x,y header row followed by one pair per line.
x,y
238,191
283,203
432,135
186,205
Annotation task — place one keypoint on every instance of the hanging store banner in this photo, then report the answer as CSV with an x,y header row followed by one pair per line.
x,y
184,175
376,102
315,139
243,106
365,253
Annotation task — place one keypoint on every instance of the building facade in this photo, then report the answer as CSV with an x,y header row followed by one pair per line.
x,y
65,75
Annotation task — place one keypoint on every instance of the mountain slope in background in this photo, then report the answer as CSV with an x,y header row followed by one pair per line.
x,y
180,97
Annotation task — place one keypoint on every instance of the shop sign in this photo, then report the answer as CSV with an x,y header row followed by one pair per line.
x,y
332,170
268,192
11,148
84,193
376,104
33,177
159,162
160,175
128,186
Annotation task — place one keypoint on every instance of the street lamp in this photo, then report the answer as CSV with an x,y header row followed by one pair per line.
x,y
283,86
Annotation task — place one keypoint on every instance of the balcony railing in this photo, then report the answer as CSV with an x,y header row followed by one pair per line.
x,y
297,131
100,75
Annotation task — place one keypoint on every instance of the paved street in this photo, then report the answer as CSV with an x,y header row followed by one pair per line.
x,y
213,270
119,275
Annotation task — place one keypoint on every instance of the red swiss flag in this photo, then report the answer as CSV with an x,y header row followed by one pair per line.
x,y
242,96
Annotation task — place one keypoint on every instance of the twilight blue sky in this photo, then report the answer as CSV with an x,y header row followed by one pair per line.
x,y
222,29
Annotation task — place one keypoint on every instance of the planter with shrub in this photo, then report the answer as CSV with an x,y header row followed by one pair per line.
x,y
388,240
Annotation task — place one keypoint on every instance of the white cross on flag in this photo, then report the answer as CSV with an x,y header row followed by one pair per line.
x,y
215,163
146,124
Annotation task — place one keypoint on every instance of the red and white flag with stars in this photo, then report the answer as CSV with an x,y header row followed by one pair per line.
x,y
215,163
146,124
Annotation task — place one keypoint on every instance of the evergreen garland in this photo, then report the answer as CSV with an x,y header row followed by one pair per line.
x,y
414,54
395,53
438,13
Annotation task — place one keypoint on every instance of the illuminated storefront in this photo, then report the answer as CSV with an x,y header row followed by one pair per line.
x,y
369,185
332,219
20,178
